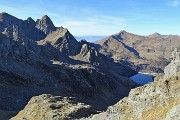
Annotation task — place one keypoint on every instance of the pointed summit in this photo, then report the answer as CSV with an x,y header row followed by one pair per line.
x,y
122,32
4,14
155,35
31,21
46,20
45,24
62,40
7,17
45,17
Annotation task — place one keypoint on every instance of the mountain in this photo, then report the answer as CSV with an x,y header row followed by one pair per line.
x,y
145,53
39,58
45,73
159,100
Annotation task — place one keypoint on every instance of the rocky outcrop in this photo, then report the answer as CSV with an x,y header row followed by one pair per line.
x,y
48,107
45,25
88,53
62,40
173,69
155,101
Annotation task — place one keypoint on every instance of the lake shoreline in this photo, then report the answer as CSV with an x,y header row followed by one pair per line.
x,y
142,78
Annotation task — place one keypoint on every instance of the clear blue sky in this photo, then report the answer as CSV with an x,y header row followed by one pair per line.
x,y
102,17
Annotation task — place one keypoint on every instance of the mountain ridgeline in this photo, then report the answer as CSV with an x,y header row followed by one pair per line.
x,y
148,54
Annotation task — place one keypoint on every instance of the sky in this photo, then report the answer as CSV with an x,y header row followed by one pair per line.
x,y
102,17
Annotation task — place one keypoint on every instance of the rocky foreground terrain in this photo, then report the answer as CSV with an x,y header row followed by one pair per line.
x,y
48,107
148,54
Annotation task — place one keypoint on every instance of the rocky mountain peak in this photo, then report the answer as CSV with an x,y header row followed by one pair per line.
x,y
122,32
122,35
11,26
46,18
62,40
45,24
155,35
2,15
30,20
7,18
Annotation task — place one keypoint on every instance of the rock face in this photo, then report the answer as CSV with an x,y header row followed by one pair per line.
x,y
159,100
38,58
18,29
62,40
45,25
173,69
155,101
143,53
48,107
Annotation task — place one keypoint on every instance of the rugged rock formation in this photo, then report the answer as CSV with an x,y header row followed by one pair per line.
x,y
173,69
18,29
144,53
62,40
88,53
155,101
159,100
48,107
45,25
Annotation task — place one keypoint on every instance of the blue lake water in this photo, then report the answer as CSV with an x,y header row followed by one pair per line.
x,y
142,79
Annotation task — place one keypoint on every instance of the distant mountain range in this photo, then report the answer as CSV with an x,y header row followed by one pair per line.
x,y
143,53
90,38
